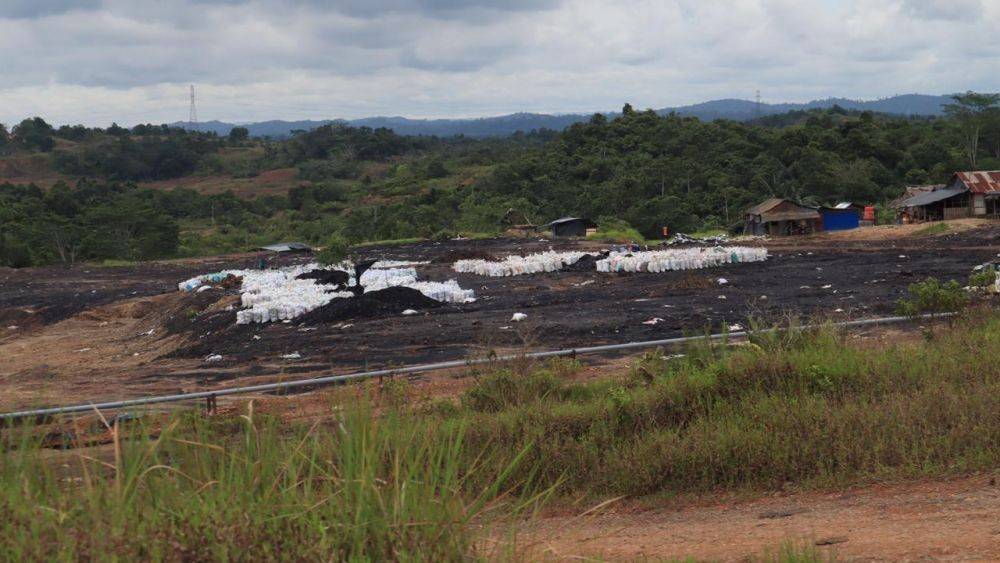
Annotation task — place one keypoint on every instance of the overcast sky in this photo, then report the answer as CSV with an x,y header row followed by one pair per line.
x,y
97,61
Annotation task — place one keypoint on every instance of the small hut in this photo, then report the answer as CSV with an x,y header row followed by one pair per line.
x,y
570,227
779,217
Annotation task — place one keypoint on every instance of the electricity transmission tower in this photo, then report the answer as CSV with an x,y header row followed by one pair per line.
x,y
193,112
756,109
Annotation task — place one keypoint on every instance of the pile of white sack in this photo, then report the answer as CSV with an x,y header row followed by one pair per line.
x,y
275,295
680,259
519,265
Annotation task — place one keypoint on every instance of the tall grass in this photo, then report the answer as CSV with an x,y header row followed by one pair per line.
x,y
801,408
361,489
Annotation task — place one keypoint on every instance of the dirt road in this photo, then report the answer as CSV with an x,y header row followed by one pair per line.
x,y
950,520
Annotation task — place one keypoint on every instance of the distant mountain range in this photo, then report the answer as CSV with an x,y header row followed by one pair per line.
x,y
737,110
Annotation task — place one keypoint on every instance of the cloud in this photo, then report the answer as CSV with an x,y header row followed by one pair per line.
x,y
15,9
94,61
954,10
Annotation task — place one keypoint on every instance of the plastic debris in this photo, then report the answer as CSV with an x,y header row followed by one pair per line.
x,y
653,321
518,317
409,312
214,358
735,327
722,281
292,356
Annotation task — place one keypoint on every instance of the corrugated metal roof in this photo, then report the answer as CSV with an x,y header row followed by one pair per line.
x,y
804,214
930,197
764,206
843,205
980,182
567,220
286,247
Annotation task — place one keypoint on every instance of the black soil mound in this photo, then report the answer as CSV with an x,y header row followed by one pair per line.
x,y
384,302
463,254
586,264
326,277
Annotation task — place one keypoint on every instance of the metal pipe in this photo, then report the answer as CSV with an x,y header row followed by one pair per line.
x,y
334,379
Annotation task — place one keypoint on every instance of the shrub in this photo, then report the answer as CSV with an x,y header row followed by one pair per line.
x,y
931,296
334,251
983,278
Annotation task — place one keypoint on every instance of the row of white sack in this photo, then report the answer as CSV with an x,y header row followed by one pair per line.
x,y
276,295
290,304
680,259
519,265
379,270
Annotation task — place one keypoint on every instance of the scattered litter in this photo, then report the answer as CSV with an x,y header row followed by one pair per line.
x,y
83,350
583,283
804,287
292,356
409,312
12,327
722,281
150,332
827,286
256,337
518,317
653,321
722,297
214,358
902,256
203,288
735,327
763,298
505,328
838,310
135,353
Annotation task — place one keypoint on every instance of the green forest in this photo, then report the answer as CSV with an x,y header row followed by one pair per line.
x,y
113,200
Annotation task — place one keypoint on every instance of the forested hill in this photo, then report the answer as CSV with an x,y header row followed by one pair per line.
x,y
737,110
155,191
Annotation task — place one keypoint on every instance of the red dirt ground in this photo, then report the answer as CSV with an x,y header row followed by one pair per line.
x,y
934,520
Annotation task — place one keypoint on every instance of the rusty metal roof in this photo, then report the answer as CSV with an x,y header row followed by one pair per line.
x,y
765,206
980,182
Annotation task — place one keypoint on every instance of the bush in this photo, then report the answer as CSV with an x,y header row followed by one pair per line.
x,y
503,389
931,296
984,278
616,230
334,251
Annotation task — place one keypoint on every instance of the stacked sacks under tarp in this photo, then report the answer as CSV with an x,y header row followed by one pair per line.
x,y
680,259
278,295
519,265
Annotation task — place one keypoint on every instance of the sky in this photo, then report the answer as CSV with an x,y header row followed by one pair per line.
x,y
132,61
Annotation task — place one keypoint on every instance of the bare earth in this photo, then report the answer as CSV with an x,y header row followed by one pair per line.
x,y
952,520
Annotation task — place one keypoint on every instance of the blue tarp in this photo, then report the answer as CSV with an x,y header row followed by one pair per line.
x,y
839,219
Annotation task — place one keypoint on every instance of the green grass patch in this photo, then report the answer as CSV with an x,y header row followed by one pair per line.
x,y
360,489
935,229
389,242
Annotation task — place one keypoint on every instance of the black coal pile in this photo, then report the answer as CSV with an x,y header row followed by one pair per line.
x,y
384,302
588,263
326,277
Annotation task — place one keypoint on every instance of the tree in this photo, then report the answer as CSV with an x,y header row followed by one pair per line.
x,y
335,251
239,135
972,111
34,133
